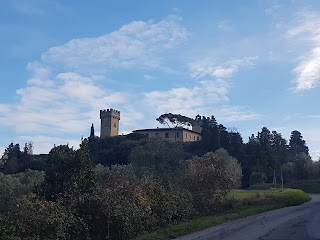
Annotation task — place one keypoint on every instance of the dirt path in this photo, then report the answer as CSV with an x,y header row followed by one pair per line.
x,y
291,223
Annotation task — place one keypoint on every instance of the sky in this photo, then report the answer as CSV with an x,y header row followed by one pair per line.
x,y
249,63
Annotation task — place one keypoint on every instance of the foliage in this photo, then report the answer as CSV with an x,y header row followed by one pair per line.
x,y
153,184
123,205
176,120
33,218
14,160
257,178
265,201
163,159
210,177
14,186
297,144
68,172
115,150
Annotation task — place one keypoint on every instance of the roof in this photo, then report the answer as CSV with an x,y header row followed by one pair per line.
x,y
163,129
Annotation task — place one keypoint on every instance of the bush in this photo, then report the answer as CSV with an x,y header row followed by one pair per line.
x,y
33,218
124,205
209,178
163,159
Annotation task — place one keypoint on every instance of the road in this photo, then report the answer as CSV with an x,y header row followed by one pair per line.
x,y
291,223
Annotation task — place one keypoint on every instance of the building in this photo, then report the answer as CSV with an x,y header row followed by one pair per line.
x,y
171,134
110,119
109,123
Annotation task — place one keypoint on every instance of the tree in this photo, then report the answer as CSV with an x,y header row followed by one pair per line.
x,y
210,177
297,144
163,159
304,167
68,172
225,139
210,134
280,150
10,159
176,120
257,178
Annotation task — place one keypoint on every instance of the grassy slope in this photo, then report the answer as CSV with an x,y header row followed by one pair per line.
x,y
248,203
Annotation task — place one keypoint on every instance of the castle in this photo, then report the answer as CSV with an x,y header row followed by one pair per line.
x,y
110,119
109,123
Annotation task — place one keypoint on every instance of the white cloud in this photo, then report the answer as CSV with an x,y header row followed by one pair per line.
x,y
230,114
225,26
148,77
136,44
313,116
207,67
307,29
308,71
67,105
188,101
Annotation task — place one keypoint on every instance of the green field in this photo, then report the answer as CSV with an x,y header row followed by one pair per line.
x,y
247,202
306,186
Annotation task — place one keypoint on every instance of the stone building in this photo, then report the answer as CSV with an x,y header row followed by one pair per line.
x,y
171,134
109,123
110,127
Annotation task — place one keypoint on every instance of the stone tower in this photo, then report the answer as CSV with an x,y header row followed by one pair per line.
x,y
109,123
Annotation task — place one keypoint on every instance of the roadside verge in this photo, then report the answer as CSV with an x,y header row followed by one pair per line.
x,y
245,203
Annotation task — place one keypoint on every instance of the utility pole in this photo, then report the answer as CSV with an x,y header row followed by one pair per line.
x,y
281,181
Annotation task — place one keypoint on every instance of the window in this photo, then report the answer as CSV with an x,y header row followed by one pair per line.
x,y
147,134
177,135
167,135
157,134
115,125
198,138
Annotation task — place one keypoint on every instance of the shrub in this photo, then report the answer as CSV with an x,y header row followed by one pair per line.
x,y
33,218
209,178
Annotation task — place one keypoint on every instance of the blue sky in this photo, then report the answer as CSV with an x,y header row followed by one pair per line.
x,y
248,63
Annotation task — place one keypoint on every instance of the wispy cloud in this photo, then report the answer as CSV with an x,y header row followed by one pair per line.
x,y
188,101
148,77
208,67
231,114
137,44
307,29
225,26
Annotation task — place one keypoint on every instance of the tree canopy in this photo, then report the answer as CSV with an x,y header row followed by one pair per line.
x,y
176,120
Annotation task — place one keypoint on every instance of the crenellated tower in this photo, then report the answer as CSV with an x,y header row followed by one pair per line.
x,y
109,123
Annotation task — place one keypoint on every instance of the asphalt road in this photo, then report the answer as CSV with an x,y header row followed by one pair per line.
x,y
294,223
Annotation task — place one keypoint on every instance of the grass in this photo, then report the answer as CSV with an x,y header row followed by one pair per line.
x,y
309,187
306,186
249,202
